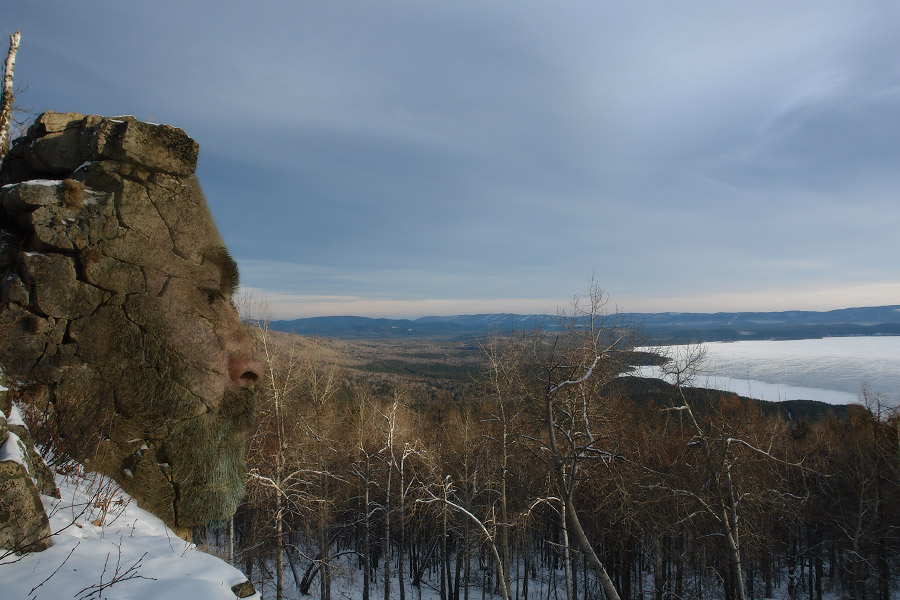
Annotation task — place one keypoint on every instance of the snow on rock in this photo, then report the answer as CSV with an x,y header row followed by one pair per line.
x,y
13,449
101,538
48,182
15,417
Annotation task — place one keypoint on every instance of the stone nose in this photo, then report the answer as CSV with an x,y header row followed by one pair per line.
x,y
244,371
245,364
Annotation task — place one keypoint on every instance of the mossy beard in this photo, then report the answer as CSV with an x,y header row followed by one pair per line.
x,y
201,437
206,456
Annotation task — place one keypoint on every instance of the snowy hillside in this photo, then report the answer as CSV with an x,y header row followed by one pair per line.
x,y
105,546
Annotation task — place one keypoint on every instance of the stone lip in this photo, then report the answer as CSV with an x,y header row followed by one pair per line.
x,y
58,144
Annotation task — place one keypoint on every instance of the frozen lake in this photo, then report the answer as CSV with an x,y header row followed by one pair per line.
x,y
830,370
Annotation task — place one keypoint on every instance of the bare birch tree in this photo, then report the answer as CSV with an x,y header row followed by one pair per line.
x,y
568,367
7,97
270,451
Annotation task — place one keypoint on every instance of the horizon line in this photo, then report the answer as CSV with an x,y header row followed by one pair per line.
x,y
545,314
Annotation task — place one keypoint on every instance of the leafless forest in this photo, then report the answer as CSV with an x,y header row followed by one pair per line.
x,y
521,467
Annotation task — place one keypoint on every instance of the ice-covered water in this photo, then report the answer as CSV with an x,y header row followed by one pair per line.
x,y
831,370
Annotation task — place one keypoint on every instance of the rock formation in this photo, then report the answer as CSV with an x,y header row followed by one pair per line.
x,y
116,320
23,475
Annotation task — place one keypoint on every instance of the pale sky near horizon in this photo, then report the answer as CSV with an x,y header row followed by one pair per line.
x,y
405,158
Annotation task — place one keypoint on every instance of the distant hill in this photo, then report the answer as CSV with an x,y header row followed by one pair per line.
x,y
659,328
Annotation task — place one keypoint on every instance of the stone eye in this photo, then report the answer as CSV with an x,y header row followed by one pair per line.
x,y
212,296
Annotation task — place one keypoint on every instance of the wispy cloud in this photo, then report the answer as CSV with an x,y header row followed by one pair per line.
x,y
409,152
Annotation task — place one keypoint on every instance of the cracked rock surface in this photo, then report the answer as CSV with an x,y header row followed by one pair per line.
x,y
116,320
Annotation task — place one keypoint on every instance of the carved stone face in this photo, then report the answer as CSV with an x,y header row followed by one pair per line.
x,y
118,315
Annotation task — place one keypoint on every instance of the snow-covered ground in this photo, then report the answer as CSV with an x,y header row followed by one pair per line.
x,y
105,546
830,370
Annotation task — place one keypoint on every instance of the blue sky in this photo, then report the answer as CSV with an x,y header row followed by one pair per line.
x,y
404,157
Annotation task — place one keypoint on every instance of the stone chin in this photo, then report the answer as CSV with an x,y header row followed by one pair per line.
x,y
206,457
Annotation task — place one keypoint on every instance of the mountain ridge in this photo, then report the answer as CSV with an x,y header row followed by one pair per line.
x,y
665,327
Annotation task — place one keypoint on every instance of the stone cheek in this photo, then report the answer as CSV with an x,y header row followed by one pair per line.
x,y
105,334
55,122
60,294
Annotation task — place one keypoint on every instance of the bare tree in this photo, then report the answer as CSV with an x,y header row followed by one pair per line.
x,y
270,444
361,467
502,381
444,498
569,366
723,450
560,375
7,97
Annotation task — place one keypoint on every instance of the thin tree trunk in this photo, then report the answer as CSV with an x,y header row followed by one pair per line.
x,y
504,516
367,558
325,576
402,547
574,524
279,545
732,537
467,568
386,542
458,576
567,559
7,99
293,568
444,576
231,540
658,580
526,551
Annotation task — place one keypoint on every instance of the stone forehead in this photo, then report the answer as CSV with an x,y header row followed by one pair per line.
x,y
120,186
60,143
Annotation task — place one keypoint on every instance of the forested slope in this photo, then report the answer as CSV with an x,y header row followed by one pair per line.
x,y
456,483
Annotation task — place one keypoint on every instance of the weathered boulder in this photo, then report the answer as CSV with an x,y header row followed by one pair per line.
x,y
34,464
24,526
244,589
